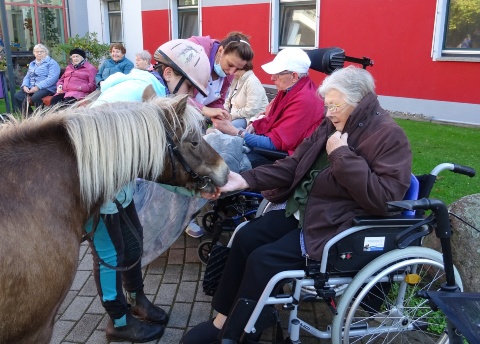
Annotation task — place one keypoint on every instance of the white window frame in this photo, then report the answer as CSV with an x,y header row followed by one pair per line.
x,y
439,35
173,4
275,24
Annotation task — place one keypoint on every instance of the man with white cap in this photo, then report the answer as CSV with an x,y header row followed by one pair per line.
x,y
292,116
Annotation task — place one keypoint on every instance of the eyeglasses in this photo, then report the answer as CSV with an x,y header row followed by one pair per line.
x,y
39,51
332,107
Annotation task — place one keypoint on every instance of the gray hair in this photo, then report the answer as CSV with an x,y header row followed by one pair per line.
x,y
353,82
144,55
41,46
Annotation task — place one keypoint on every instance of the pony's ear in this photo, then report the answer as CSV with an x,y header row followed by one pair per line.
x,y
179,103
148,93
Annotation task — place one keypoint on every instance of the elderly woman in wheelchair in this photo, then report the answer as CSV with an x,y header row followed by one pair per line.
x,y
351,165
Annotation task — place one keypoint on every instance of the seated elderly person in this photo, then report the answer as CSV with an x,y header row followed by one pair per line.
x,y
40,80
351,165
292,116
143,61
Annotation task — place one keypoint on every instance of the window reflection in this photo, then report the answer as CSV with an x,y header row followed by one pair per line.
x,y
22,28
50,21
297,24
463,25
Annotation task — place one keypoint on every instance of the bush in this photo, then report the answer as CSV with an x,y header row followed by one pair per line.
x,y
95,50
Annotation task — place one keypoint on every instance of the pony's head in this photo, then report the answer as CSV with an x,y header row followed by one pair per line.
x,y
159,139
192,161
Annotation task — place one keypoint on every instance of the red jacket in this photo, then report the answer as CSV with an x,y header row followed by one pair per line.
x,y
292,116
79,82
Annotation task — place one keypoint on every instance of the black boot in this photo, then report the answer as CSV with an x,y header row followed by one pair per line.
x,y
142,308
135,330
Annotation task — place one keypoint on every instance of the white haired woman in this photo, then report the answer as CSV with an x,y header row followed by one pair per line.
x,y
351,165
39,82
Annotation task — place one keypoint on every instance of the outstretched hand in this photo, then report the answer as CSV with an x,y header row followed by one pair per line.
x,y
235,182
336,140
211,195
216,113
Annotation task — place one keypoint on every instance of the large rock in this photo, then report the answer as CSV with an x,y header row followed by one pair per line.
x,y
465,240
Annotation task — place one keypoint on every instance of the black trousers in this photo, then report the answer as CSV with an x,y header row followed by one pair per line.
x,y
262,248
60,98
109,245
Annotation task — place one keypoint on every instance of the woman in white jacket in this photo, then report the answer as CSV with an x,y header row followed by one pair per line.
x,y
246,97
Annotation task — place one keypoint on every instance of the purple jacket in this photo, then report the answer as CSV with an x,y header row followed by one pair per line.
x,y
211,46
79,82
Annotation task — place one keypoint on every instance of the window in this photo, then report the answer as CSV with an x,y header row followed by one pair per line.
x,y
187,18
294,24
457,29
115,21
35,21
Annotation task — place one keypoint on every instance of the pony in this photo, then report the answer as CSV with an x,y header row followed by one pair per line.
x,y
58,167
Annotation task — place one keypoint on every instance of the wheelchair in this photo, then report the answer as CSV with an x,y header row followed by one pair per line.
x,y
380,268
227,213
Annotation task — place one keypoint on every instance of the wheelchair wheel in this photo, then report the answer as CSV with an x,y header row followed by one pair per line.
x,y
209,219
204,250
379,306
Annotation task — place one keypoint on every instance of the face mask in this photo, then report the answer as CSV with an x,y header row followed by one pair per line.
x,y
218,69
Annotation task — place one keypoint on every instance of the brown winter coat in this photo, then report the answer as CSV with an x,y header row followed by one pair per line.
x,y
361,178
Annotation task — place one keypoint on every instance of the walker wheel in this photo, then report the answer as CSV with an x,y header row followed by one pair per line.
x,y
204,250
209,219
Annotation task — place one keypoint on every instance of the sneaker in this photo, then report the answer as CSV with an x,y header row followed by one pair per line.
x,y
194,230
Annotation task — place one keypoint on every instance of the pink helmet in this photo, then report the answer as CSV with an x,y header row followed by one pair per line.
x,y
188,59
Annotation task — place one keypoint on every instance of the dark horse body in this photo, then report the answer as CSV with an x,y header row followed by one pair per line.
x,y
49,189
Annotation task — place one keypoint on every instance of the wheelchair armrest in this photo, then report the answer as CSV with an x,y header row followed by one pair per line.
x,y
396,220
270,153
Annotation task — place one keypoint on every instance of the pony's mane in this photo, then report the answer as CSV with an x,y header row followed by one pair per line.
x,y
118,142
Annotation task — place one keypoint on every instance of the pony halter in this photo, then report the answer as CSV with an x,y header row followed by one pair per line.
x,y
201,181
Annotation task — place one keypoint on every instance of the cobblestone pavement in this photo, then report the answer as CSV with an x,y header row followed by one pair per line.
x,y
172,281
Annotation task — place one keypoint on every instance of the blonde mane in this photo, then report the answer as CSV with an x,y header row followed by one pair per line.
x,y
118,142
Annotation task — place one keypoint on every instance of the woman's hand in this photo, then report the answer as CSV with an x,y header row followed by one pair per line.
x,y
235,182
250,129
216,113
335,141
225,126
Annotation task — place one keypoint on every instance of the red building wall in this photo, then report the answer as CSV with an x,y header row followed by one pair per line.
x,y
397,36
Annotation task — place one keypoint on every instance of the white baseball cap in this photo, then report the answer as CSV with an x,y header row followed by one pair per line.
x,y
292,59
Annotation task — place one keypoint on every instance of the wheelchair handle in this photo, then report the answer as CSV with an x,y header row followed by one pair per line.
x,y
456,168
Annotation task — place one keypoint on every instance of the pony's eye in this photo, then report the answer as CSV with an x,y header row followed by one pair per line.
x,y
194,143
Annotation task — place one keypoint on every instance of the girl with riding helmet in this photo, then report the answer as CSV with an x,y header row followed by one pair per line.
x,y
226,57
135,318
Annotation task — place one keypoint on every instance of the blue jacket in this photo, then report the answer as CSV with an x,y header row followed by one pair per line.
x,y
44,75
110,67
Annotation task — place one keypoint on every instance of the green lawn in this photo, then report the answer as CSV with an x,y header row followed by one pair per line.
x,y
433,144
